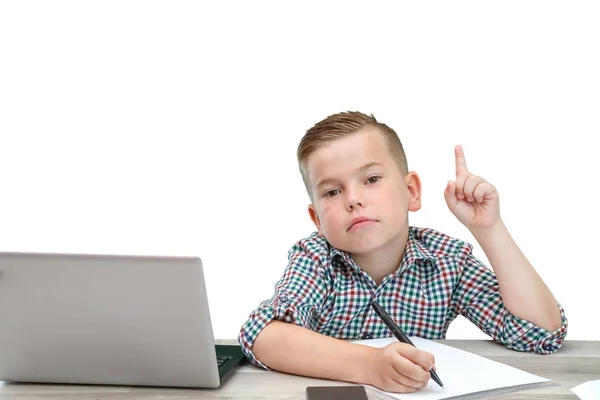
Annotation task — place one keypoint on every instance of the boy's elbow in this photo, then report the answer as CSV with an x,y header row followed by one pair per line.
x,y
554,326
553,320
265,344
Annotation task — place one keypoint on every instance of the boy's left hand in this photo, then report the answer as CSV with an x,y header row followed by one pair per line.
x,y
473,200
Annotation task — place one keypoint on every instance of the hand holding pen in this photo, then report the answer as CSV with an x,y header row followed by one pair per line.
x,y
400,367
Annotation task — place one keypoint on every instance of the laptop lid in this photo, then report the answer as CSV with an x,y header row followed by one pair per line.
x,y
105,319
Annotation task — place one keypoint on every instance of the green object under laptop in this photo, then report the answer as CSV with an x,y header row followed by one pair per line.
x,y
228,357
110,320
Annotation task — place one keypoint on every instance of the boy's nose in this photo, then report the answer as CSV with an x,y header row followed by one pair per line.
x,y
353,201
352,204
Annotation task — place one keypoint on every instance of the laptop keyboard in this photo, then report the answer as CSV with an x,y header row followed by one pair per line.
x,y
222,360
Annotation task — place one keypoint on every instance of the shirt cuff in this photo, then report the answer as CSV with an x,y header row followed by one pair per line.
x,y
281,307
255,324
522,335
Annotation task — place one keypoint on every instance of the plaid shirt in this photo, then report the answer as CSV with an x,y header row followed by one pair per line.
x,y
324,290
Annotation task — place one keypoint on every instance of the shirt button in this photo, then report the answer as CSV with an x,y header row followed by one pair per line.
x,y
283,299
368,336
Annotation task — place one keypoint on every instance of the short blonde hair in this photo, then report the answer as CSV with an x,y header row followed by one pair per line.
x,y
340,125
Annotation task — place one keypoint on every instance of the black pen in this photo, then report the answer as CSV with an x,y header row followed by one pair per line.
x,y
395,329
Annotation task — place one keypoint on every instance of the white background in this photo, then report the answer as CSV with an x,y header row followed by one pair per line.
x,y
144,127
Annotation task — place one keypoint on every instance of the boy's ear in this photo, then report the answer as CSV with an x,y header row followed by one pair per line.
x,y
312,211
413,185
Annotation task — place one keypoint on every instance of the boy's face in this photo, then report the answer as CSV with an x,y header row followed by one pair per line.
x,y
356,178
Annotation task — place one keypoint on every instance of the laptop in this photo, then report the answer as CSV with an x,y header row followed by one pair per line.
x,y
109,320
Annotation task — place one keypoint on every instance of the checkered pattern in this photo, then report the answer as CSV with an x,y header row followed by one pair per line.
x,y
324,290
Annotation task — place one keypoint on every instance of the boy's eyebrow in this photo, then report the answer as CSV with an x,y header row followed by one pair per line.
x,y
361,169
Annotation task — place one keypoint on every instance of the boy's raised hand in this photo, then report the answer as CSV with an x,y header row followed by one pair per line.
x,y
473,200
399,367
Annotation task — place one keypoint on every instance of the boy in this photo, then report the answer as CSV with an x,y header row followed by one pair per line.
x,y
355,171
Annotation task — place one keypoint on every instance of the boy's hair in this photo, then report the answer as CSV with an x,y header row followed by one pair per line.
x,y
340,125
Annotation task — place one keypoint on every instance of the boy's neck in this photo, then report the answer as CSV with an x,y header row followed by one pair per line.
x,y
384,261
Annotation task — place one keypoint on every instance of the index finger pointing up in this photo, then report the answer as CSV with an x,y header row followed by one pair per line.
x,y
461,162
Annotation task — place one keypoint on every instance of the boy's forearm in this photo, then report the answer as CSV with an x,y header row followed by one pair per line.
x,y
290,348
523,292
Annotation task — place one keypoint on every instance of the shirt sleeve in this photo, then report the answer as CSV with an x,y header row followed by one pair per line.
x,y
478,298
298,298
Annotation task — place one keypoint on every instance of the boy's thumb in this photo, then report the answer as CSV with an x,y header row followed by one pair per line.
x,y
450,195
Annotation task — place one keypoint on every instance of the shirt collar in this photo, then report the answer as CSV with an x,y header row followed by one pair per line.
x,y
415,251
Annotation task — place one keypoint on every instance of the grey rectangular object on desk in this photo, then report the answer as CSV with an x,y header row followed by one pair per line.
x,y
107,319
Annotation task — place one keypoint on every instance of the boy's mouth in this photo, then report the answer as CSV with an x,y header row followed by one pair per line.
x,y
359,222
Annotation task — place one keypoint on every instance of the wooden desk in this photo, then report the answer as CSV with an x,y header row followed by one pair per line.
x,y
575,363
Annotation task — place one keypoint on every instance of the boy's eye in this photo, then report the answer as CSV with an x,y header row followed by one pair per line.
x,y
331,193
373,179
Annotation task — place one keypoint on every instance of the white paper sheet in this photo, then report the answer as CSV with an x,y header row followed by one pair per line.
x,y
589,390
461,372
